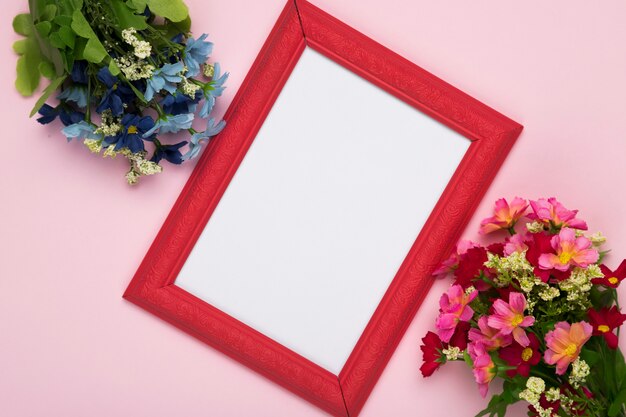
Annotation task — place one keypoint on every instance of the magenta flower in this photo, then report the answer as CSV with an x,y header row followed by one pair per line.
x,y
450,265
489,337
565,342
570,250
550,211
484,368
454,308
515,244
509,318
505,215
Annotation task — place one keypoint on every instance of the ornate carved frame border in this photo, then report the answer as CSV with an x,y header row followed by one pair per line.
x,y
300,25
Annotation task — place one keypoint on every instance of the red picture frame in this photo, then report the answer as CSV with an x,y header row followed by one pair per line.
x,y
303,25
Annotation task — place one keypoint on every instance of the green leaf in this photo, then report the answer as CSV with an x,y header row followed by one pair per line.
x,y
28,75
183,26
23,24
139,5
56,41
126,17
20,46
44,28
67,7
174,10
94,50
68,36
617,405
114,69
46,68
54,85
590,356
48,13
63,20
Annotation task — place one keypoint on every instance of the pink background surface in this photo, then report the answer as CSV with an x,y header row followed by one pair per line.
x,y
72,232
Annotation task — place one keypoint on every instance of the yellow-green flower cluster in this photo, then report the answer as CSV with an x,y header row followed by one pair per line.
x,y
579,284
534,388
139,166
514,266
580,372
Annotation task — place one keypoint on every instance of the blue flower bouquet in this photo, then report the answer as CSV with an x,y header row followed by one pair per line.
x,y
125,74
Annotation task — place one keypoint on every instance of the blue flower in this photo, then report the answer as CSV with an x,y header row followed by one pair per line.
x,y
81,131
132,134
116,95
171,124
67,116
198,138
179,103
77,94
196,53
165,78
170,153
214,89
79,72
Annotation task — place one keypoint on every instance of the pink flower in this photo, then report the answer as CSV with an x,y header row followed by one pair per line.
x,y
484,368
509,317
515,244
505,215
550,211
450,265
454,308
565,342
570,250
489,337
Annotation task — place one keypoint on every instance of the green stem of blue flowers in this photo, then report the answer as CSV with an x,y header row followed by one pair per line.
x,y
88,112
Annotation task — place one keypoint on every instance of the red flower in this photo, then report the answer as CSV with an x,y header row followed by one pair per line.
x,y
541,244
523,358
604,321
611,279
432,348
470,265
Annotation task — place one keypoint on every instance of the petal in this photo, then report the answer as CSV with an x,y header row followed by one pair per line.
x,y
466,314
517,302
501,324
611,340
521,337
502,308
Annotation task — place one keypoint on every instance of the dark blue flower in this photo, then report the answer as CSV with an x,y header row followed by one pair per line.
x,y
116,95
130,137
179,39
67,115
79,72
180,103
170,153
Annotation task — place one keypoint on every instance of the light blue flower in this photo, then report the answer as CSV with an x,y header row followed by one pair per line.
x,y
171,124
77,94
214,89
195,145
197,52
165,78
81,131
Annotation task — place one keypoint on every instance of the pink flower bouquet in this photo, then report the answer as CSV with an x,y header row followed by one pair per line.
x,y
538,310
